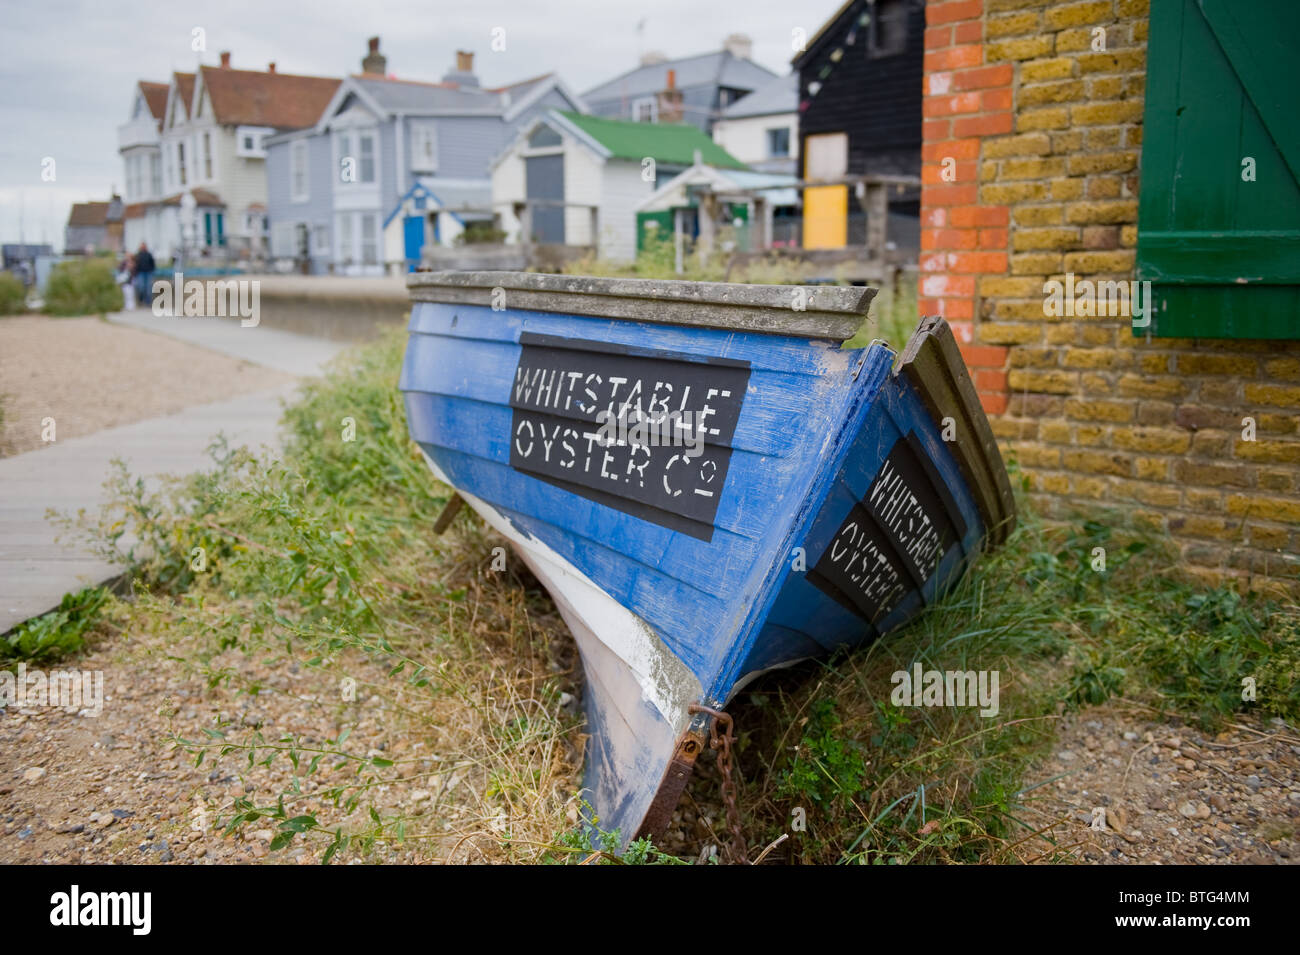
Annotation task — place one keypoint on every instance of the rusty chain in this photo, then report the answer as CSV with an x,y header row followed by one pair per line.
x,y
721,739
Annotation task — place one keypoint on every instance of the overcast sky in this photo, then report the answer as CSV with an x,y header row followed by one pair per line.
x,y
67,67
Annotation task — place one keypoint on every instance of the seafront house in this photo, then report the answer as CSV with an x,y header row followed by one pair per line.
x,y
94,227
571,179
195,158
690,89
391,166
762,129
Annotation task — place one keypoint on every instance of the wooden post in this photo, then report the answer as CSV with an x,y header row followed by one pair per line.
x,y
678,264
708,224
595,231
760,225
877,210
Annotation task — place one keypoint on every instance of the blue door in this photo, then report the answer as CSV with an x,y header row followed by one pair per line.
x,y
413,229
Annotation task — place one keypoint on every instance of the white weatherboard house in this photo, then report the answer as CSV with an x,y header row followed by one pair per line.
x,y
202,136
574,179
390,166
762,129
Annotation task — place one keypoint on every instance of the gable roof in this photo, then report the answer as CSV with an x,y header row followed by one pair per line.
x,y
155,97
88,214
722,68
185,89
257,98
779,96
394,95
672,143
839,21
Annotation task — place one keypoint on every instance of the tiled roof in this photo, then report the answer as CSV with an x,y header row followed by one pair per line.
x,y
415,96
155,97
256,98
88,214
779,96
204,197
674,143
185,86
722,68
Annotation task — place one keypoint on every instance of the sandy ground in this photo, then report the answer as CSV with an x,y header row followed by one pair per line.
x,y
88,374
1134,789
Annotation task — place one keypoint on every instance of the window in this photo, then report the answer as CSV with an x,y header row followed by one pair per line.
x,y
826,156
888,27
345,253
207,156
250,143
544,137
778,142
298,181
347,160
155,175
180,162
366,167
645,110
424,147
369,239
320,240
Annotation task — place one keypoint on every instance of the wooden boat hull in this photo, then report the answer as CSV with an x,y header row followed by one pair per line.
x,y
823,505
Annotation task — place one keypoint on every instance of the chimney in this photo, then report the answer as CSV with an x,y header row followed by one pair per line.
x,y
652,57
270,67
739,45
670,101
375,63
463,73
225,59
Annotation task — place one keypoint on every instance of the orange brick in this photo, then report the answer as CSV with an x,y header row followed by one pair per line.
x,y
952,10
984,356
993,239
972,32
990,124
949,195
964,216
957,308
937,37
956,148
949,239
937,286
992,100
994,404
935,129
949,105
954,58
983,78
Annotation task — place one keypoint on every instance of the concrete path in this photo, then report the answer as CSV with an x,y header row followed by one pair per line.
x,y
36,570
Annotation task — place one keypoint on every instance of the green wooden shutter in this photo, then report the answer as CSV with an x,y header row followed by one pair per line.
x,y
1222,254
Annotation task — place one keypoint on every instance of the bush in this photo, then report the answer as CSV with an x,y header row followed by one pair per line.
x,y
84,287
13,296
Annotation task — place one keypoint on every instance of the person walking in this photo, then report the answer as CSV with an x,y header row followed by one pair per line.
x,y
144,266
126,279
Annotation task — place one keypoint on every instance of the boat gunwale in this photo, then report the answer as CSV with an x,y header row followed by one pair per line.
x,y
828,312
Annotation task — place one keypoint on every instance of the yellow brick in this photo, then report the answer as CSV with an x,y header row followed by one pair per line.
x,y
1118,412
1120,211
1053,117
1135,85
1035,168
1096,335
1091,435
1013,25
1026,144
1272,538
1060,334
1106,114
1103,162
1067,188
1094,358
1053,483
1010,288
1033,358
1066,91
1067,142
1151,469
1038,215
1284,510
1083,263
1156,495
1037,456
1031,311
1220,392
1211,444
1287,368
1139,387
1276,480
1103,187
1134,8
1072,41
1201,526
1202,364
1041,70
1035,263
1204,501
1024,48
1281,396
1006,333
1001,6
1004,193
1026,239
1140,31
1098,462
1055,432
1047,382
1077,14
1106,87
988,171
1153,440
1098,384
1154,364
1022,429
1104,137
1133,136
1276,452
1095,488
1128,236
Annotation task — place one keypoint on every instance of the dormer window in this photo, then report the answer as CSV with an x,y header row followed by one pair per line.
x,y
645,110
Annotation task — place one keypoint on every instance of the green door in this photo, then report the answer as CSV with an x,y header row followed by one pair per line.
x,y
1219,201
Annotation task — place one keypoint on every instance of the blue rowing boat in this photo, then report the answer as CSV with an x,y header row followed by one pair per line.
x,y
709,485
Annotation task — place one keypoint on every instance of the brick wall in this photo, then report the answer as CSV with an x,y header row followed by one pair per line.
x,y
1032,142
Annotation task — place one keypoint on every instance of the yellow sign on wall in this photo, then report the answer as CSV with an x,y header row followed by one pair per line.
x,y
825,217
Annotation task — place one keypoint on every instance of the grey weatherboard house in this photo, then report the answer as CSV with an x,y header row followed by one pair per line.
x,y
394,165
691,89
